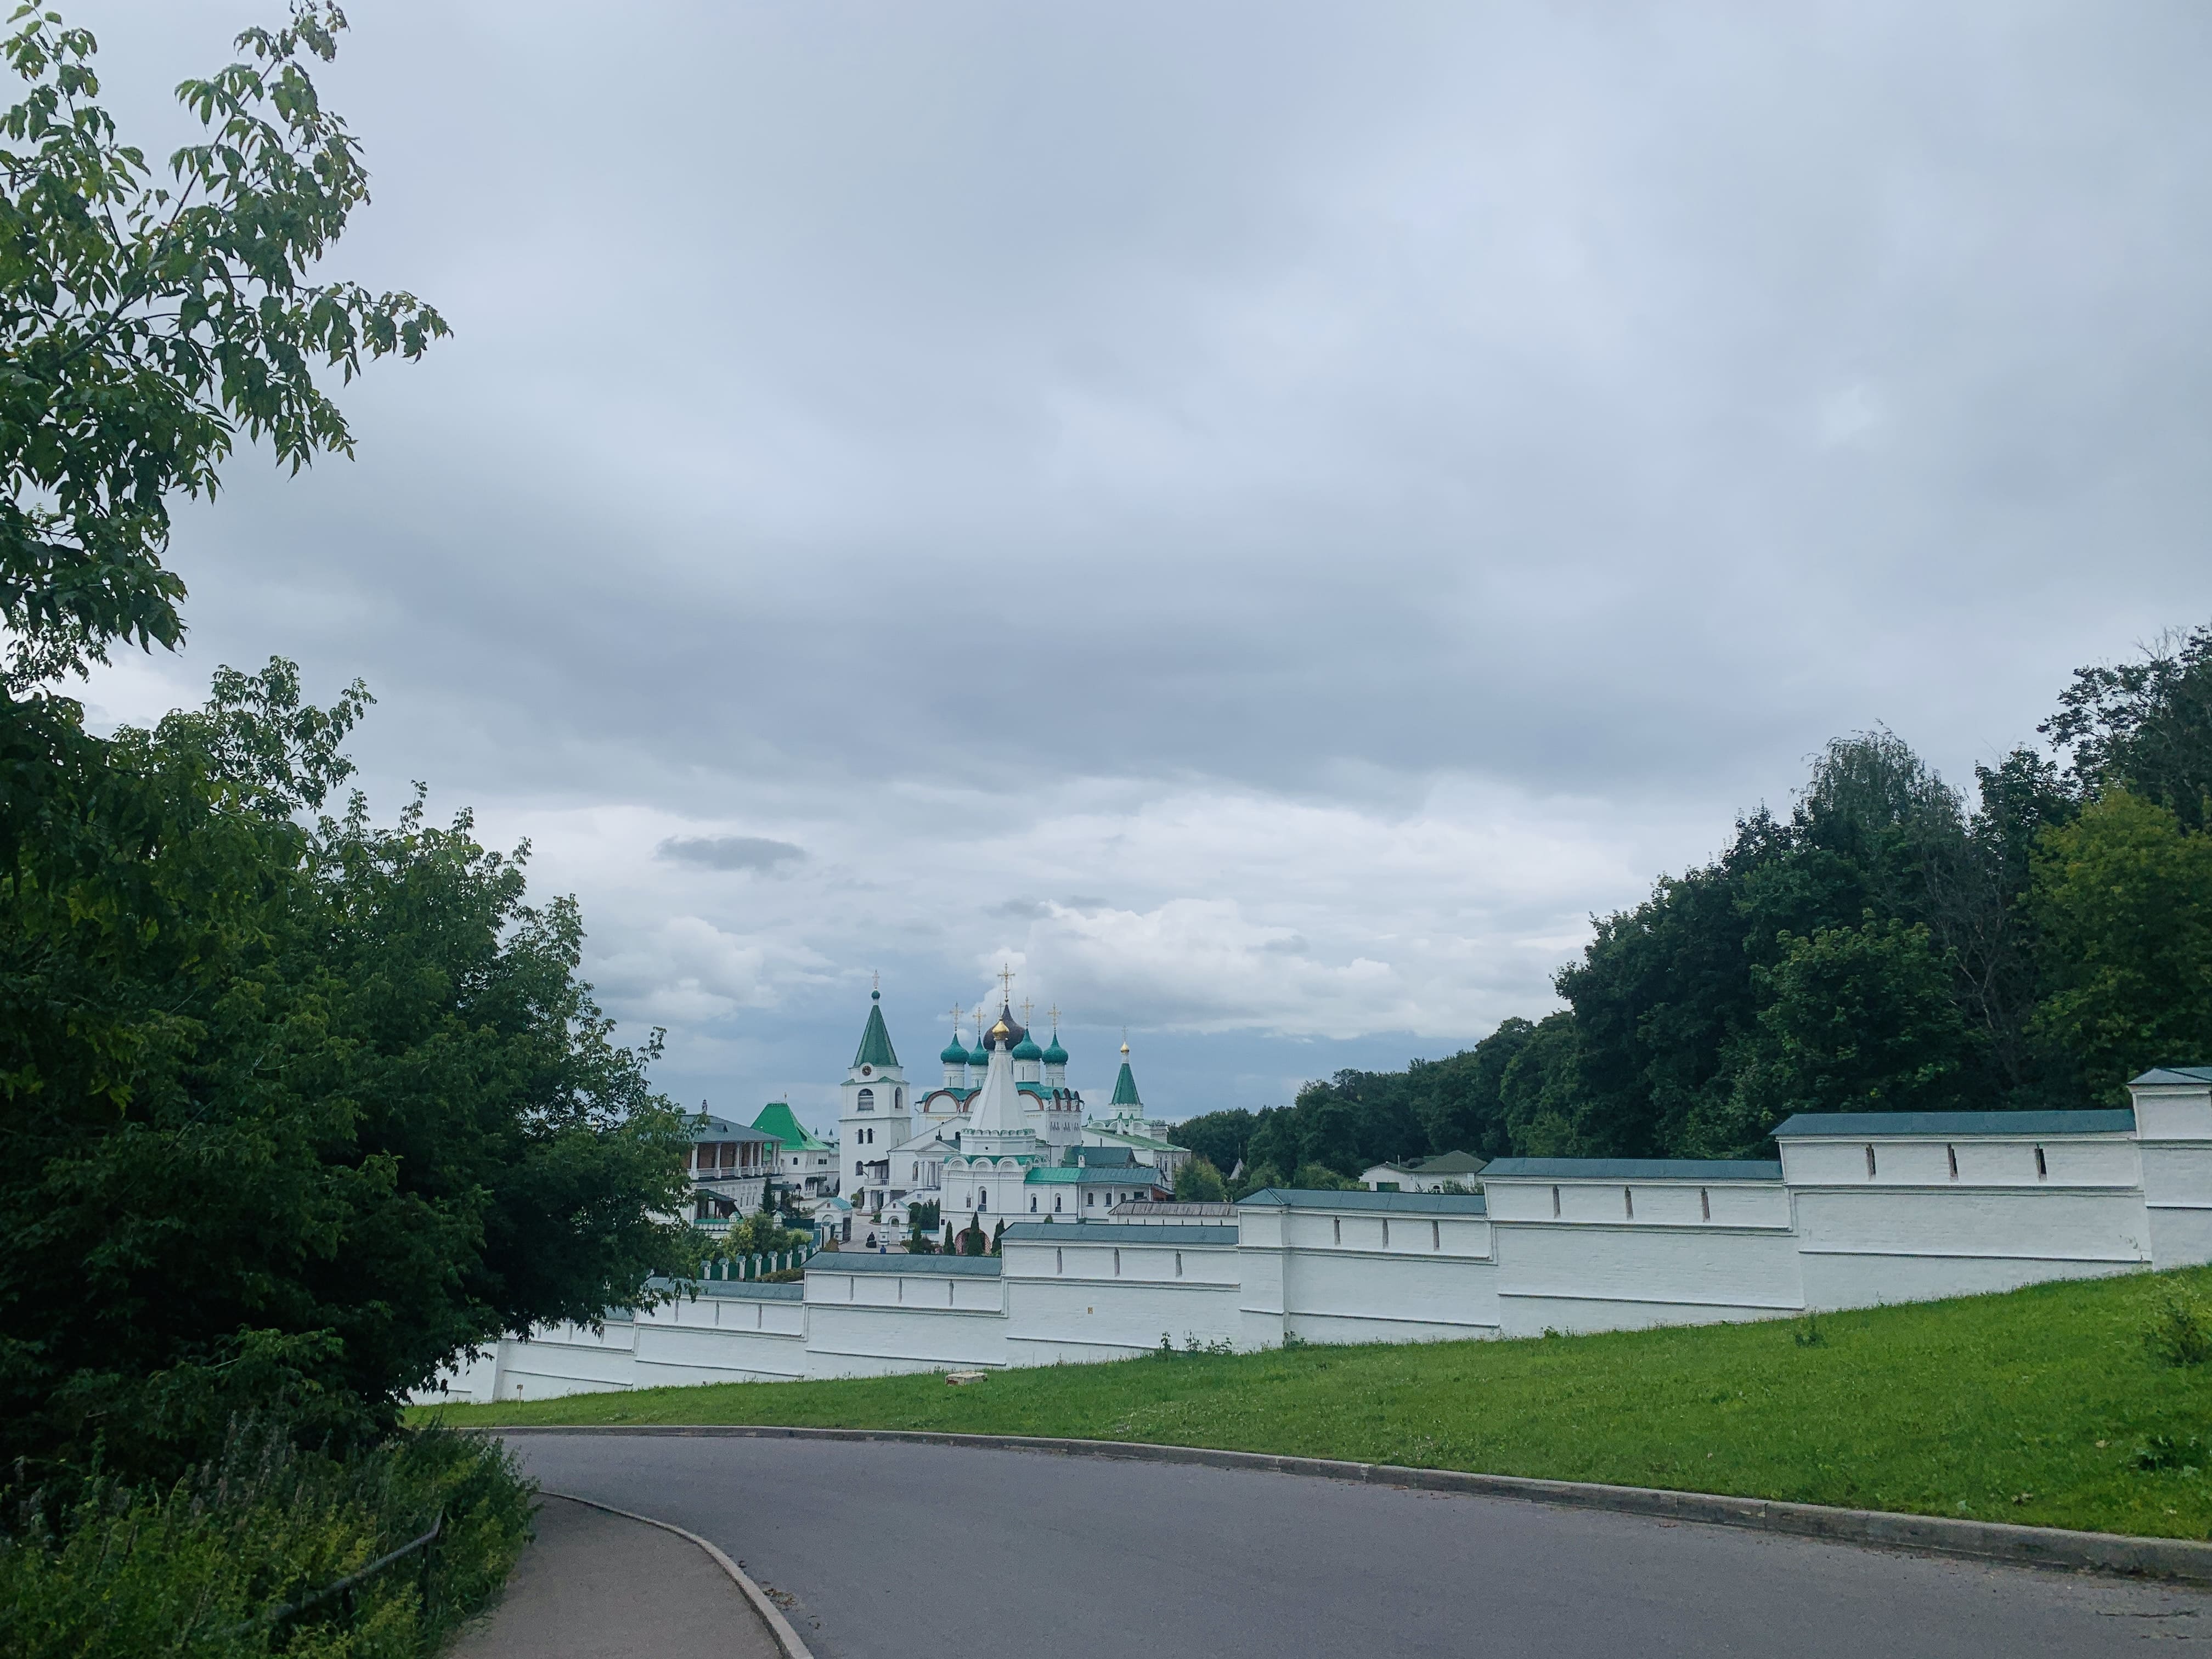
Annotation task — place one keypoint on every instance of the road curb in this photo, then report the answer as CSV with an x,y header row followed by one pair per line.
x,y
2178,1558
794,1646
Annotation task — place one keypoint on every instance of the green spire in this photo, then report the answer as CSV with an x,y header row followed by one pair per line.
x,y
875,1040
1125,1086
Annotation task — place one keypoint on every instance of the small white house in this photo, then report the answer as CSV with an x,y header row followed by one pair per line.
x,y
1446,1171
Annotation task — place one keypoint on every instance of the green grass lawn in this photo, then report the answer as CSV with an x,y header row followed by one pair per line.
x,y
2026,1408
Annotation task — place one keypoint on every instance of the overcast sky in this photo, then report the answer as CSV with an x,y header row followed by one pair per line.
x,y
1262,518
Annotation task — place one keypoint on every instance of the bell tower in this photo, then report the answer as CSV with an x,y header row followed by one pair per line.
x,y
873,1114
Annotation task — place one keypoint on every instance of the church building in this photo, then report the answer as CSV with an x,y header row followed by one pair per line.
x,y
1002,1137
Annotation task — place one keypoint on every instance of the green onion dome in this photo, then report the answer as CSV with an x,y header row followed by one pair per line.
x,y
956,1051
1027,1048
1055,1055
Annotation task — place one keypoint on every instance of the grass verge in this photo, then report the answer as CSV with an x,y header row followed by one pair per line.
x,y
2052,1406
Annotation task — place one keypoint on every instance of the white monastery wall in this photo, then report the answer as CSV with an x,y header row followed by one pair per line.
x,y
1111,1289
877,1316
1862,1209
1366,1267
1601,1245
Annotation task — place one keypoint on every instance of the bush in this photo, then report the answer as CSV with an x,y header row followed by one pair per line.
x,y
2180,1333
198,1567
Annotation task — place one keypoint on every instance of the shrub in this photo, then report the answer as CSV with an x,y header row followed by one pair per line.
x,y
2180,1333
198,1567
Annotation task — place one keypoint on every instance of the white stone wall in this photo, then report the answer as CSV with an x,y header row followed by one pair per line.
x,y
1620,1253
1108,1289
1894,1212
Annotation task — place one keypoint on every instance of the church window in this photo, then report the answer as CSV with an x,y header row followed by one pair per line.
x,y
1178,1264
2042,1170
1555,1201
1436,1235
1628,1203
898,1100
1117,1264
1032,1203
1090,1198
1952,1153
1059,1262
859,1167
1706,1203
1386,1234
865,1101
1338,1226
1055,1201
1869,1152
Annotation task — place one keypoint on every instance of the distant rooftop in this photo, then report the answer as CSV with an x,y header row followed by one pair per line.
x,y
1285,1197
1858,1126
1632,1169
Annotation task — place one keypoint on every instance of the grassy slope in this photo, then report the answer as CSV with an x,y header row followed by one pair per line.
x,y
2023,1408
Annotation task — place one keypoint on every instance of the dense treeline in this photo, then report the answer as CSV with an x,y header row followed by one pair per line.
x,y
1891,944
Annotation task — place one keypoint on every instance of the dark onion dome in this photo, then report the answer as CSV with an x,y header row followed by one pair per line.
x,y
1005,1030
956,1051
1054,1053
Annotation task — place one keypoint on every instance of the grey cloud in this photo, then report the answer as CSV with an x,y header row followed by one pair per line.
x,y
1112,406
1295,945
1021,910
729,852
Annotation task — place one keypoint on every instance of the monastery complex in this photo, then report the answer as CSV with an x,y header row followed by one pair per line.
x,y
1094,1261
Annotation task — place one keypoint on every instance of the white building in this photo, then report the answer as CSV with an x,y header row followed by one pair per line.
x,y
1860,1209
1447,1172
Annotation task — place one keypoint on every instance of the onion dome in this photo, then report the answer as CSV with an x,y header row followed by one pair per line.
x,y
1005,1031
1054,1053
956,1051
1027,1048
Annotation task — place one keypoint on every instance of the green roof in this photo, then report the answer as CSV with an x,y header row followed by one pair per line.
x,y
776,1119
1285,1198
1632,1169
875,1039
1027,1048
1054,1053
2171,1074
1111,1175
1856,1125
1124,1088
956,1051
1120,1232
1131,1138
858,1261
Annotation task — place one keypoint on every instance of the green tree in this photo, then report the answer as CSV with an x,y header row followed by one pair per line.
x,y
2145,727
1220,1138
1198,1182
148,324
1857,1019
2122,903
295,1106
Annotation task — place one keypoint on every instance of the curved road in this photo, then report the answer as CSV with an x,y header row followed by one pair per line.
x,y
907,1552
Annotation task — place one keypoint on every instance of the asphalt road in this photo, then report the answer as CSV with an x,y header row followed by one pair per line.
x,y
899,1552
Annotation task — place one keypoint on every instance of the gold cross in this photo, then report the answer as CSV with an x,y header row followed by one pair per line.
x,y
1026,1006
1006,979
957,1011
1054,1012
875,981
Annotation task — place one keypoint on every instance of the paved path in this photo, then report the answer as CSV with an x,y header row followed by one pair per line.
x,y
595,1586
907,1552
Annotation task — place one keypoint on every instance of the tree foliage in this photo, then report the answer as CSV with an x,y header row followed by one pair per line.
x,y
295,1106
1888,943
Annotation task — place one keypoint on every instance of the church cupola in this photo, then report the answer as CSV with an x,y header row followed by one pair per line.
x,y
1125,1103
1055,1057
955,1059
